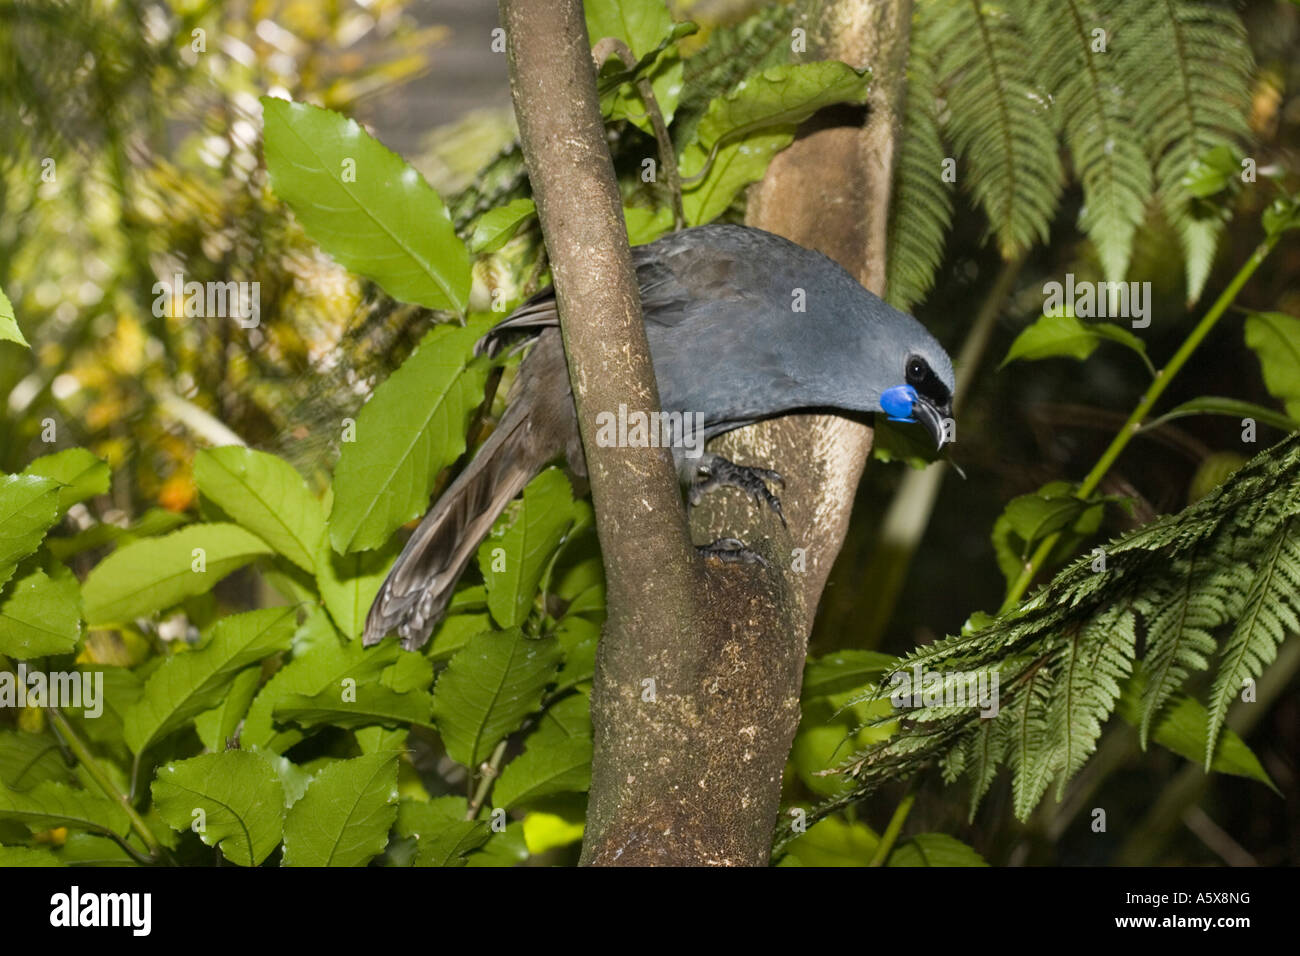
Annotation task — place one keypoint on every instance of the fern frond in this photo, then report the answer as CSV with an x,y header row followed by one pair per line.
x,y
1183,579
922,201
998,117
1192,63
1095,111
1269,615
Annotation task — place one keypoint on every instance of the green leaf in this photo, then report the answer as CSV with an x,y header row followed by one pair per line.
x,y
752,123
50,804
1055,336
649,32
934,849
842,671
28,759
344,817
369,704
1181,727
266,496
28,509
545,769
348,583
218,725
498,226
412,427
156,573
188,683
449,845
453,633
387,224
834,842
40,615
240,797
1232,408
578,638
514,555
11,856
1275,339
9,331
79,474
487,690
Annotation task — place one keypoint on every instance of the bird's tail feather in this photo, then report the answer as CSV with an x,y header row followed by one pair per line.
x,y
419,587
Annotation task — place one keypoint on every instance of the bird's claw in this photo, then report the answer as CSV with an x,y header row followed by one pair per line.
x,y
731,551
717,472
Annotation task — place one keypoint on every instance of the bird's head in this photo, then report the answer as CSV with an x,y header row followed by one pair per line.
x,y
916,376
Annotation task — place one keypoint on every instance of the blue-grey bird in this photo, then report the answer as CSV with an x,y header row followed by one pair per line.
x,y
743,325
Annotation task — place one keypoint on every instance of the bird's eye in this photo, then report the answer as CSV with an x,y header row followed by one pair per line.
x,y
916,369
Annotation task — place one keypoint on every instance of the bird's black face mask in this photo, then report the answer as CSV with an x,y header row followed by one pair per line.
x,y
923,399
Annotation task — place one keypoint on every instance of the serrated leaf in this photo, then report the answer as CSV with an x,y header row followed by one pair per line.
x,y
545,769
752,123
412,427
240,797
28,759
387,223
78,473
1275,339
218,725
498,226
449,845
156,573
50,804
28,509
514,555
40,615
188,683
264,495
9,331
348,583
344,817
487,690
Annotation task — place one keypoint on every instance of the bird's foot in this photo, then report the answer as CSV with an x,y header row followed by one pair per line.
x,y
731,551
714,471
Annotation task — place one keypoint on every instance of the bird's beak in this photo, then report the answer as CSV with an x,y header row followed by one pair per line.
x,y
934,417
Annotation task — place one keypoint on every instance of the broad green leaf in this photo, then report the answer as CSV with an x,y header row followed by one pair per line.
x,y
453,633
649,32
368,704
40,615
487,690
154,522
9,331
420,818
49,805
190,682
578,638
544,830
752,123
449,845
156,573
498,226
1057,336
504,848
78,473
934,849
365,205
646,225
232,799
1275,338
1182,726
842,671
28,509
348,583
28,759
90,849
412,427
218,725
542,770
344,817
566,719
266,496
514,555
11,856
834,841
1231,407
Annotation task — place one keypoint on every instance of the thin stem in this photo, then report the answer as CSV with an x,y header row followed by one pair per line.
x,y
895,827
491,770
100,776
1134,422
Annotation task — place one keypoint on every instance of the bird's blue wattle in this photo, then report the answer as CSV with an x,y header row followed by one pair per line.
x,y
897,403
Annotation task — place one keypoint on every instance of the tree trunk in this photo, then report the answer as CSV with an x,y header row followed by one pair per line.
x,y
695,699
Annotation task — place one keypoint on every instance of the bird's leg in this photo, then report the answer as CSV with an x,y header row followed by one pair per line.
x,y
711,470
732,551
